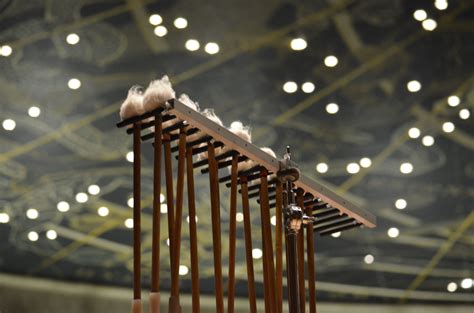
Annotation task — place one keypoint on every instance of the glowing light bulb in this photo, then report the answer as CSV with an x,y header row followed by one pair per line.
x,y
454,101
73,39
162,198
74,83
4,218
129,223
290,87
211,48
464,114
130,202
32,214
441,4
428,141
163,208
273,220
393,232
257,253
6,50
183,270
365,162
82,197
429,24
33,236
160,31
155,19
93,189
103,211
406,168
336,235
298,44
331,61
192,45
9,124
452,287
414,133
34,111
414,86
369,259
448,127
129,156
51,234
420,15
332,108
308,87
180,23
63,206
353,168
322,167
466,283
401,204
239,217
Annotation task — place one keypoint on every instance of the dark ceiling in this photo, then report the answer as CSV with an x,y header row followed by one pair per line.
x,y
380,47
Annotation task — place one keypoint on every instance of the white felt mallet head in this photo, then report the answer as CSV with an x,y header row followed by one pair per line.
x,y
133,105
158,92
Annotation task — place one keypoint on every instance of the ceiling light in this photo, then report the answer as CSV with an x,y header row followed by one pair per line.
x,y
441,4
353,168
34,111
9,124
129,156
93,189
322,167
448,127
369,259
192,45
429,24
308,87
162,198
393,232
454,101
6,50
32,214
51,234
413,86
74,83
239,217
414,133
168,242
63,206
130,202
331,61
155,19
365,162
257,253
452,287
129,223
464,114
103,211
163,208
160,31
4,218
332,108
82,197
401,204
290,87
211,48
33,236
336,235
420,15
273,220
406,168
181,23
298,44
428,141
183,270
73,39
466,283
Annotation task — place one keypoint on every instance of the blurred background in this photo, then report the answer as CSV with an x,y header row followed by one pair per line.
x,y
374,96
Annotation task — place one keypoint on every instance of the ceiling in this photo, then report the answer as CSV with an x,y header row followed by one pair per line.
x,y
380,47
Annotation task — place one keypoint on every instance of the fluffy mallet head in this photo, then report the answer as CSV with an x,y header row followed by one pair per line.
x,y
158,92
133,105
